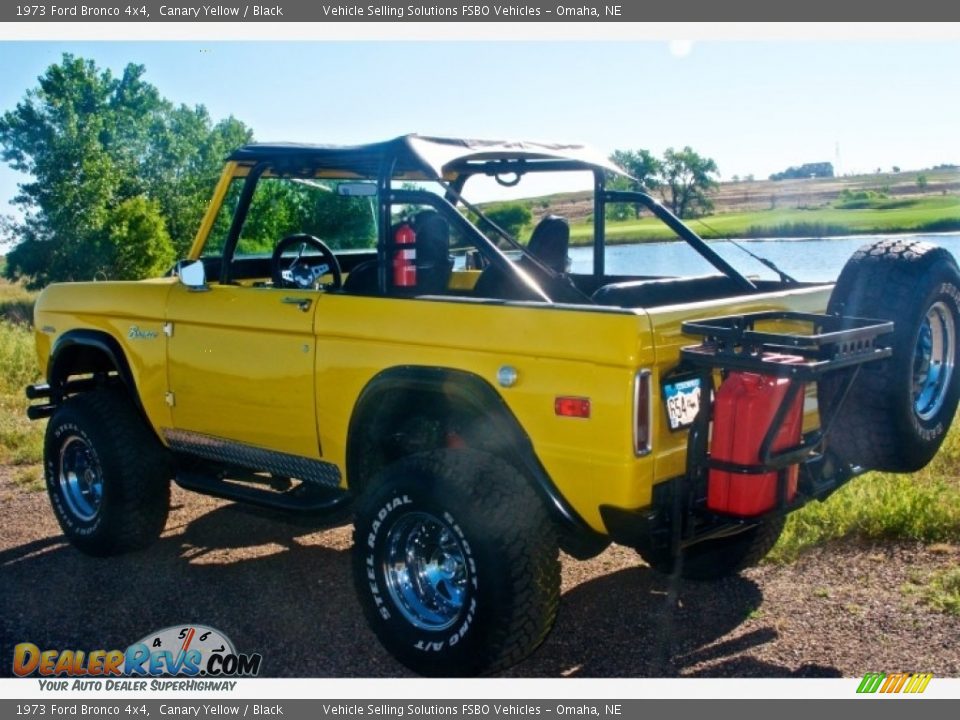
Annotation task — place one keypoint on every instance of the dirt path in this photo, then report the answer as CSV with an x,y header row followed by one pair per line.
x,y
285,591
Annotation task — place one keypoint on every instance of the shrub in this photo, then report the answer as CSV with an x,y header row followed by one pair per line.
x,y
512,217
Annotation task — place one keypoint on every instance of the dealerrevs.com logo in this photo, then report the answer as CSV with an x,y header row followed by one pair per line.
x,y
189,651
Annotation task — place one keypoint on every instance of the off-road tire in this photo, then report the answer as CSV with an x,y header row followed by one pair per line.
x,y
879,425
719,558
505,546
130,466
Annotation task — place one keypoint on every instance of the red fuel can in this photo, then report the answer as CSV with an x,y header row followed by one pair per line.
x,y
744,406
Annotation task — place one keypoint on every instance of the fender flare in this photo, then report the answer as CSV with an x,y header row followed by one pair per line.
x,y
97,340
478,395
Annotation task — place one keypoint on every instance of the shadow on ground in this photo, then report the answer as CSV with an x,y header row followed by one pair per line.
x,y
639,623
293,601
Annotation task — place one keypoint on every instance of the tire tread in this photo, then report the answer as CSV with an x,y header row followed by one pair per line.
x,y
879,281
511,516
132,459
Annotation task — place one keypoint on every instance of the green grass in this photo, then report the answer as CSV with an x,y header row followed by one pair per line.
x,y
21,441
16,303
18,358
924,506
940,590
927,214
29,478
943,591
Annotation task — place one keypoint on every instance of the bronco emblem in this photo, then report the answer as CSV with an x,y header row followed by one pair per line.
x,y
137,334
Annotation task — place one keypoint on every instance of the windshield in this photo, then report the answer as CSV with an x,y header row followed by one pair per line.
x,y
340,212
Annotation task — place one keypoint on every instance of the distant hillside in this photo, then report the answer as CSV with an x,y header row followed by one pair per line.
x,y
759,195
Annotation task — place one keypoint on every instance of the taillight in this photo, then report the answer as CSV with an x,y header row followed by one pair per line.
x,y
642,413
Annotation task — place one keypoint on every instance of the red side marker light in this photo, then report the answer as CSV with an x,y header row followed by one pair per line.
x,y
572,407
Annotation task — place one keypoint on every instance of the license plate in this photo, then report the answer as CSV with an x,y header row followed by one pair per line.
x,y
682,398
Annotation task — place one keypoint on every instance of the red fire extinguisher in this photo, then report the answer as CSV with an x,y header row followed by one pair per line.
x,y
405,257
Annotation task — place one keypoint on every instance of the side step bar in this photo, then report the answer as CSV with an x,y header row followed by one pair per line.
x,y
303,498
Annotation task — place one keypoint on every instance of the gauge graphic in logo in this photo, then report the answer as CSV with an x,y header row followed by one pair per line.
x,y
181,650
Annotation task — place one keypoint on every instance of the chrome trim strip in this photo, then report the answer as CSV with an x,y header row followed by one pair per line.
x,y
642,377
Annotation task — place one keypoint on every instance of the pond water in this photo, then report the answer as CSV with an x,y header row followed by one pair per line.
x,y
803,259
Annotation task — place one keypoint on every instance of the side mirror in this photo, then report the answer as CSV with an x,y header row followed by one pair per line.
x,y
192,274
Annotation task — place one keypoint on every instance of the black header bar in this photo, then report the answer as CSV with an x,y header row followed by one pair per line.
x,y
403,11
215,708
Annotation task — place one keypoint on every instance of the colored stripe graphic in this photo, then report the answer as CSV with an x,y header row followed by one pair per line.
x,y
921,680
871,682
894,682
913,683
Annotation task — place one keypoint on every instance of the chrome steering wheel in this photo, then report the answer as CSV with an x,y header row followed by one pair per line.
x,y
305,271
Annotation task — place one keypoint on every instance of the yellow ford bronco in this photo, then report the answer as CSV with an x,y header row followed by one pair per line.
x,y
349,333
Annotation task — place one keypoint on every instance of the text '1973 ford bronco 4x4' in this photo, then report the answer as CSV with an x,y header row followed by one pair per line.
x,y
343,336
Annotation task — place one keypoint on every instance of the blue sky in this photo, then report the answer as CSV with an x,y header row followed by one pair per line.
x,y
754,106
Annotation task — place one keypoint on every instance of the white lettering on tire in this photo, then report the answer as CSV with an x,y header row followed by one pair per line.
x,y
375,526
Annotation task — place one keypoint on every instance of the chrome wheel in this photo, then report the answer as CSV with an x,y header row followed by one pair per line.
x,y
933,360
80,478
426,571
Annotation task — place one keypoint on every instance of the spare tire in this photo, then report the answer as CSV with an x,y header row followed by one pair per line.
x,y
898,410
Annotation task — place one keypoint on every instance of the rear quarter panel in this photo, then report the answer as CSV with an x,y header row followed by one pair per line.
x,y
555,352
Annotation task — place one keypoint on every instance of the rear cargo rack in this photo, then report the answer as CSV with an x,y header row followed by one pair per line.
x,y
825,342
757,342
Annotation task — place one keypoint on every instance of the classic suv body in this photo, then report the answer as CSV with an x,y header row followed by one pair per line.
x,y
240,364
477,409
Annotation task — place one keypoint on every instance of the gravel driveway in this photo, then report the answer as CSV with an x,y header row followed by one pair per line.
x,y
284,590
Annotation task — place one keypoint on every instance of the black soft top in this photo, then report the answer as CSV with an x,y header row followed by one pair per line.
x,y
426,158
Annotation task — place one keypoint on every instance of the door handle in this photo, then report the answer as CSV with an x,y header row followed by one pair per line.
x,y
302,303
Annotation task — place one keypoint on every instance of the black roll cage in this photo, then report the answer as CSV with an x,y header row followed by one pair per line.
x,y
488,249
461,171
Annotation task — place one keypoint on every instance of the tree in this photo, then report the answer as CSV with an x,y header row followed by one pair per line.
x,y
922,181
102,149
688,180
282,207
135,240
644,170
512,217
185,162
806,171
